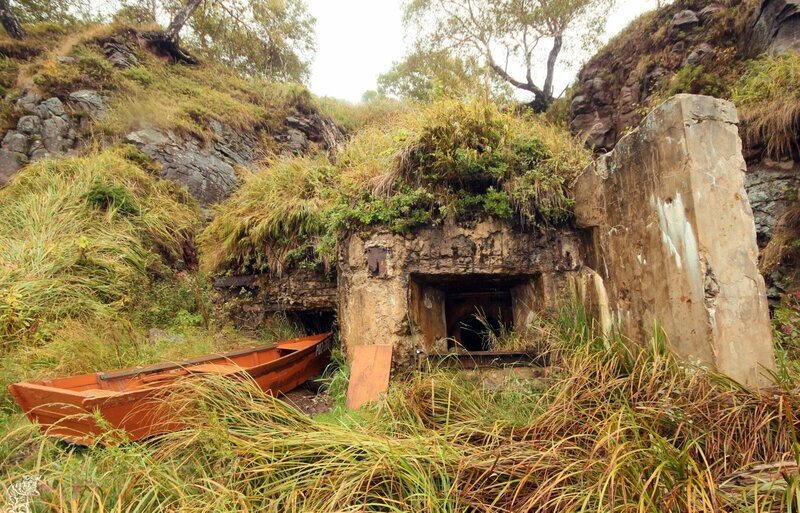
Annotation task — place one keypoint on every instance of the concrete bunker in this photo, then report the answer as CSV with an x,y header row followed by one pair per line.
x,y
662,235
452,287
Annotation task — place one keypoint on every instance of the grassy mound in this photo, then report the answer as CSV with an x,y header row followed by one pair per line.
x,y
768,98
80,236
276,217
613,430
446,160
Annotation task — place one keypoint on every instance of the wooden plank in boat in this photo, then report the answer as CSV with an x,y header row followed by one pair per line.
x,y
369,374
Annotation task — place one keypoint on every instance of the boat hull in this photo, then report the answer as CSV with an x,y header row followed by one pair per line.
x,y
133,404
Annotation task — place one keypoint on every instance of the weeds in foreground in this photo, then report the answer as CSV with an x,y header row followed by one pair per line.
x,y
617,429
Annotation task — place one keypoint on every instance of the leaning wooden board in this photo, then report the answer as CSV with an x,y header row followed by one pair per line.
x,y
369,374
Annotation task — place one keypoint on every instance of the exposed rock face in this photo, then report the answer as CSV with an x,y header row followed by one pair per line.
x,y
772,187
674,238
306,128
89,102
47,129
613,88
208,168
775,27
411,291
51,128
205,169
685,20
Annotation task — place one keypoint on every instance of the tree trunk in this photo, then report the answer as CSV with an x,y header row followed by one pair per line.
x,y
167,42
558,41
10,22
180,19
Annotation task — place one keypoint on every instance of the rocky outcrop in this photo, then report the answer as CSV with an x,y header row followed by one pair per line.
x,y
48,128
617,88
306,128
206,165
617,85
51,127
205,168
674,241
775,27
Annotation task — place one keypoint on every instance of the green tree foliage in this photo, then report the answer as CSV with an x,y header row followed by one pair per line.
x,y
273,38
424,74
51,11
266,38
504,34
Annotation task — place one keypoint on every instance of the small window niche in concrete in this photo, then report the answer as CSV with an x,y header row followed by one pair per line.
x,y
467,313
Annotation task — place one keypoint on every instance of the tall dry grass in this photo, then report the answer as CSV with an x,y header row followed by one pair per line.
x,y
768,98
617,429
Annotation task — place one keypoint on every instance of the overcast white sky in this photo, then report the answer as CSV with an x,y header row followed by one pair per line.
x,y
357,40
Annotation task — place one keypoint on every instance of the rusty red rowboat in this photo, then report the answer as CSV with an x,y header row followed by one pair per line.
x,y
134,400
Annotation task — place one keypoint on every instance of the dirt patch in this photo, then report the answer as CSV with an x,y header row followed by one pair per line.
x,y
309,402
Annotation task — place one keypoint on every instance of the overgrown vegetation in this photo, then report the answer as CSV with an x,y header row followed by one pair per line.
x,y
449,159
614,429
768,98
81,236
158,94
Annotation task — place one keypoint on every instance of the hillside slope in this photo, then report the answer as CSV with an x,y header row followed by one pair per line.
x,y
69,91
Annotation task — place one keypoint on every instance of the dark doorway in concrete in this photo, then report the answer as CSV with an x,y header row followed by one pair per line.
x,y
476,332
467,311
477,314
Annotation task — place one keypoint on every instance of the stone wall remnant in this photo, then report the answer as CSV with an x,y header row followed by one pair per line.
x,y
674,241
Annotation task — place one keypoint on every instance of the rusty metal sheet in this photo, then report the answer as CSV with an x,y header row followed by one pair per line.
x,y
376,262
369,374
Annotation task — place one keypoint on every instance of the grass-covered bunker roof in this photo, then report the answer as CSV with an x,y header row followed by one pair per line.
x,y
449,159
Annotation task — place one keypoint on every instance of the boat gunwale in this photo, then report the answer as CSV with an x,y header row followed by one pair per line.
x,y
17,389
122,373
